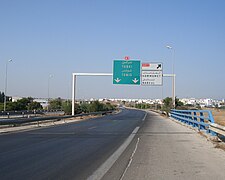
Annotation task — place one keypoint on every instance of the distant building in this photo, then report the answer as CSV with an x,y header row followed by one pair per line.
x,y
43,102
15,99
208,102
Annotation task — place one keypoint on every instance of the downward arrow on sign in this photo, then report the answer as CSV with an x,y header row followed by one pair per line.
x,y
117,80
135,80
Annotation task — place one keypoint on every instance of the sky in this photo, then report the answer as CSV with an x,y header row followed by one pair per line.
x,y
61,37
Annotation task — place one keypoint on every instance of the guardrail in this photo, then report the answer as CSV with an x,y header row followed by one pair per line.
x,y
200,119
217,129
9,114
38,119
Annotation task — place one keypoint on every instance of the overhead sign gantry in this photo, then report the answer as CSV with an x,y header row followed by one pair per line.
x,y
129,72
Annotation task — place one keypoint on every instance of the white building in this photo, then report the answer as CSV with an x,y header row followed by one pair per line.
x,y
208,102
16,98
43,102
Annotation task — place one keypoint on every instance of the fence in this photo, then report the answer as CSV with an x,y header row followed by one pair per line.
x,y
200,119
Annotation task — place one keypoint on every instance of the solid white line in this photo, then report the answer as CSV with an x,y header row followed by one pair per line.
x,y
145,116
102,170
131,159
93,127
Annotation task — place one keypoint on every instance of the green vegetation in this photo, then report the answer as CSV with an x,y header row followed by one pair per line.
x,y
94,106
147,106
167,105
222,107
66,106
22,104
2,97
55,104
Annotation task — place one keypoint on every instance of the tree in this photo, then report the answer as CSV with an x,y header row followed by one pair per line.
x,y
55,104
23,104
67,107
2,95
96,106
108,107
34,106
168,104
85,107
178,102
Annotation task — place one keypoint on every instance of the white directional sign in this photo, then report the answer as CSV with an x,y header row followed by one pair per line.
x,y
151,74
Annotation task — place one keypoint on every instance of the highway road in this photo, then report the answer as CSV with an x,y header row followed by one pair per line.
x,y
166,150
160,149
70,151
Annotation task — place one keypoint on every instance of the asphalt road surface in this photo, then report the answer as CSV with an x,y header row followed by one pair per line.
x,y
165,150
70,151
160,149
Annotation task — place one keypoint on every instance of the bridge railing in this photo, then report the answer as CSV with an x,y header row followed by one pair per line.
x,y
200,119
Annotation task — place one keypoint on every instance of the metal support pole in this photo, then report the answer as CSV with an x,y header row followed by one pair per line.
x,y
174,90
173,87
6,72
49,77
73,94
74,85
173,80
48,93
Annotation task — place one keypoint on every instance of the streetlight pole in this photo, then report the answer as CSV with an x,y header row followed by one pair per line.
x,y
173,79
6,78
49,77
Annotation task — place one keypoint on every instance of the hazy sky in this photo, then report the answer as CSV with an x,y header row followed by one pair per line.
x,y
60,37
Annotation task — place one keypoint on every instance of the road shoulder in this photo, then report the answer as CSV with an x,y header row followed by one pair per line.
x,y
168,150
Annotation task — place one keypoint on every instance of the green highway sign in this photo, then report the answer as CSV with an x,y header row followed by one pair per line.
x,y
126,72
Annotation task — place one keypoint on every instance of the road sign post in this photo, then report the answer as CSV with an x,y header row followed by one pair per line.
x,y
126,72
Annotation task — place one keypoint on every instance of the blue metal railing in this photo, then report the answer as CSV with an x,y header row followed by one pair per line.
x,y
196,118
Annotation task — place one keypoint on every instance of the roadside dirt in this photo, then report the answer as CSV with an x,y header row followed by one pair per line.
x,y
219,116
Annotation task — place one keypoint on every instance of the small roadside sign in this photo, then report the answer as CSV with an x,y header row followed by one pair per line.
x,y
151,74
126,72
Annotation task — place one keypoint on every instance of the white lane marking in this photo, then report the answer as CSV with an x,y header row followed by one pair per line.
x,y
131,159
144,116
93,127
102,170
